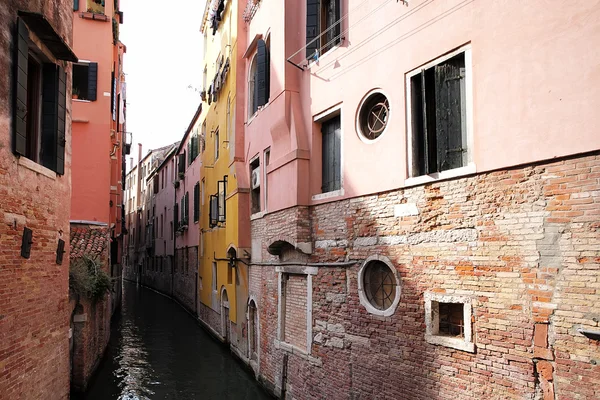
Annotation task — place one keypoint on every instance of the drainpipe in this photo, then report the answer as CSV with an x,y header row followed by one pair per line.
x,y
174,242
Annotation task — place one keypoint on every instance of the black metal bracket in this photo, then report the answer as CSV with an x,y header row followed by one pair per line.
x,y
594,335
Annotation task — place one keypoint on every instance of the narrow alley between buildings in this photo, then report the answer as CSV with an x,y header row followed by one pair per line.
x,y
158,351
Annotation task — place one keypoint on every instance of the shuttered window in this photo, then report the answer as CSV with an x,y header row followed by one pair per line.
x,y
323,29
438,117
176,216
262,74
39,129
259,80
85,85
196,202
331,156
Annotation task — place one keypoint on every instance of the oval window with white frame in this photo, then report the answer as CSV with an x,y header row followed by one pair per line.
x,y
379,286
373,116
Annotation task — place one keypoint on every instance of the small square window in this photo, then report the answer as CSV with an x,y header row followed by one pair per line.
x,y
448,321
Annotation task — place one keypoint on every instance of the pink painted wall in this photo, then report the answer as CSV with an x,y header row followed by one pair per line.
x,y
536,86
164,200
190,237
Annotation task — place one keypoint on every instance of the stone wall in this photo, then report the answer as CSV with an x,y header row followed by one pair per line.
x,y
34,311
185,277
91,333
522,245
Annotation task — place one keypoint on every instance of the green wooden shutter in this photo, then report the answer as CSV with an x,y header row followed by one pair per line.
x,y
262,70
20,100
448,80
312,26
75,5
92,81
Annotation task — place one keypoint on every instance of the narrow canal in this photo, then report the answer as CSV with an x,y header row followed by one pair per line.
x,y
158,351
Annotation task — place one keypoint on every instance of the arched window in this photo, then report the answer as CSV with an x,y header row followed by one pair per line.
x,y
252,93
253,330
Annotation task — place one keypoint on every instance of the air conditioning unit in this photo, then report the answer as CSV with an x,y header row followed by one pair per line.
x,y
255,178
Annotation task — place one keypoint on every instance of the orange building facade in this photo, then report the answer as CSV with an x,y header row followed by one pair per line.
x,y
99,140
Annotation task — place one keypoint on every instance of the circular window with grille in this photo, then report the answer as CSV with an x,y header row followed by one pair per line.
x,y
379,286
373,116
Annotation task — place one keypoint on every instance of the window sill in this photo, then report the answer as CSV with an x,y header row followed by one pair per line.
x,y
453,342
81,100
316,62
35,167
258,215
328,195
438,176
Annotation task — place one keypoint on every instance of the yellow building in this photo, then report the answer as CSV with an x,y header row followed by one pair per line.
x,y
222,271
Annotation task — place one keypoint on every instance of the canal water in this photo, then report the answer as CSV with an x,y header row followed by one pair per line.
x,y
158,351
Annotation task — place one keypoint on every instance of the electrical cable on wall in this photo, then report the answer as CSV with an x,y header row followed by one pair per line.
x,y
334,25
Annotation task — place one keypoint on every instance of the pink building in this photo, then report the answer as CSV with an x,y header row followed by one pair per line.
x,y
425,192
187,215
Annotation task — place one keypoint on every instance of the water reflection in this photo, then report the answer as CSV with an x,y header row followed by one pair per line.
x,y
157,351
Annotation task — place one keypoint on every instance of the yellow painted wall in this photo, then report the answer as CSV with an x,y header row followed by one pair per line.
x,y
214,242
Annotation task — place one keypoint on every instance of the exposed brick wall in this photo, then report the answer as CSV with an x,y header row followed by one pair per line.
x,y
523,244
34,309
295,310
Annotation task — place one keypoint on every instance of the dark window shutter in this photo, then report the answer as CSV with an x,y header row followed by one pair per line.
x,y
448,80
331,131
181,163
60,250
155,182
189,152
187,206
332,36
20,102
61,134
92,81
196,202
53,136
26,242
75,5
312,26
176,216
262,72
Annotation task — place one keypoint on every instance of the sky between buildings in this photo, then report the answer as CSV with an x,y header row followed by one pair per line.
x,y
164,57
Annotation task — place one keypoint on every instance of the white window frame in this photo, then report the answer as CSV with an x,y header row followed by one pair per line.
x,y
280,340
323,117
359,132
432,321
361,290
470,167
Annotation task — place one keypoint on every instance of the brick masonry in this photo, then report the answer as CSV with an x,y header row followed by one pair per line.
x,y
34,294
523,244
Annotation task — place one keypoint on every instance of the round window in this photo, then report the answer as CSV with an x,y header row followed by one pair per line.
x,y
373,116
379,283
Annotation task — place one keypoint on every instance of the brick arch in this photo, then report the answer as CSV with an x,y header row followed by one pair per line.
x,y
280,243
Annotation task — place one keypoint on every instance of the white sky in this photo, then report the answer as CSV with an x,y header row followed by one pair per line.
x,y
164,57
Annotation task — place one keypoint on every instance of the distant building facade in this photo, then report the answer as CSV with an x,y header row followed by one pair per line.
x,y
35,185
224,239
